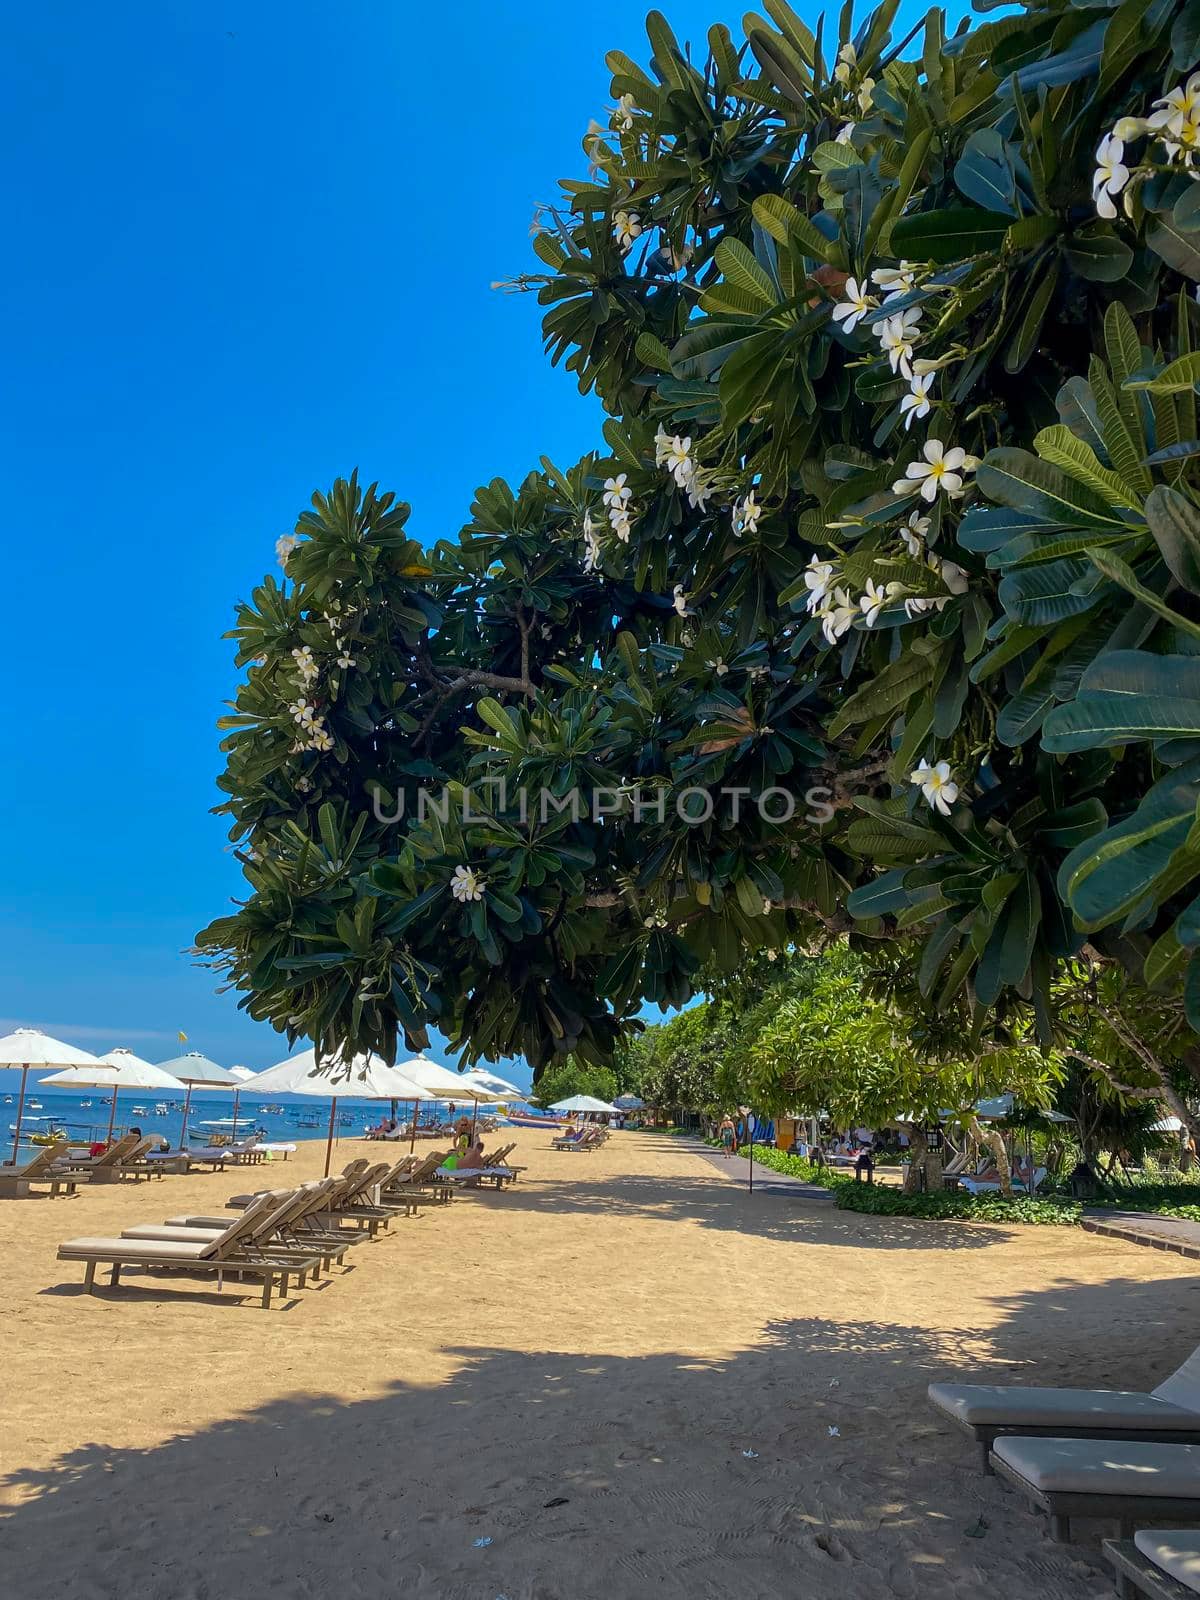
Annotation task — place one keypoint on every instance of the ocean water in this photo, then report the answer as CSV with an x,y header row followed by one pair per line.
x,y
285,1119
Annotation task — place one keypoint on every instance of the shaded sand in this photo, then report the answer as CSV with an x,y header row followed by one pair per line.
x,y
611,1334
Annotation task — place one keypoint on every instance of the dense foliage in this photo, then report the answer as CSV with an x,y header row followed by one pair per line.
x,y
896,511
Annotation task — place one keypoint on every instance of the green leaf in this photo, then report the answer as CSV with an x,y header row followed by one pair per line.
x,y
786,224
1179,249
1128,695
1059,446
1097,254
1174,378
1175,524
1119,572
952,234
1027,483
743,271
1044,594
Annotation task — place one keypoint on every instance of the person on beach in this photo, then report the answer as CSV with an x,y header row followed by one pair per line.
x,y
727,1135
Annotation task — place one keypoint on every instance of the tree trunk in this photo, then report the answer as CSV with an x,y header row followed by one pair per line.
x,y
995,1143
918,1150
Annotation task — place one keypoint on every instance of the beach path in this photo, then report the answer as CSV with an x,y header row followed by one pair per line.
x,y
623,1377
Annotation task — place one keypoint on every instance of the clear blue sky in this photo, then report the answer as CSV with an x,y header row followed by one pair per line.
x,y
249,247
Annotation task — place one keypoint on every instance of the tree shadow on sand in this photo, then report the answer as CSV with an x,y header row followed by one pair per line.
x,y
566,1477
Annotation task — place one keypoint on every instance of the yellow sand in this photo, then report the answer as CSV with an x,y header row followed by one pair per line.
x,y
613,1333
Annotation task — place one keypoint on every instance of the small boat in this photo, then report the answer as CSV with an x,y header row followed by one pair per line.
x,y
85,1105
34,1105
162,1110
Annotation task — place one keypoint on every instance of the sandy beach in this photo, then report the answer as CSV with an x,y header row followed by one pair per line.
x,y
618,1378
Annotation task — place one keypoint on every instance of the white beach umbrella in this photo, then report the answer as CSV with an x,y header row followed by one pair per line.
x,y
363,1078
493,1083
29,1047
198,1072
582,1102
447,1085
116,1070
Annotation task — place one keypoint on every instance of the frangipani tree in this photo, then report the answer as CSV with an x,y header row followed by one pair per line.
x,y
895,511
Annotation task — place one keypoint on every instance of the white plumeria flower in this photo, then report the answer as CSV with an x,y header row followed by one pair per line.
x,y
746,514
466,884
941,469
679,460
303,713
1185,142
819,578
914,534
876,597
854,307
1111,174
346,661
895,281
283,549
846,62
679,600
916,403
836,619
936,785
617,491
718,666
955,577
622,113
866,94
897,335
627,225
845,134
918,605
1181,106
303,657
621,524
662,446
699,491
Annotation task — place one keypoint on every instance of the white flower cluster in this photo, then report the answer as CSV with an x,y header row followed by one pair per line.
x,y
591,542
1174,121
936,784
898,334
306,664
312,734
467,885
864,94
656,921
283,549
746,514
621,115
617,497
674,454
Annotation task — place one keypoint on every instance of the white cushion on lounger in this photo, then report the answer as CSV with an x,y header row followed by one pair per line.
x,y
1176,1551
998,1405
131,1250
167,1231
1104,1466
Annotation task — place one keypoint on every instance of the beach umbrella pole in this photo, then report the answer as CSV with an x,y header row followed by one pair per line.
x,y
750,1126
20,1109
187,1101
412,1143
112,1116
329,1141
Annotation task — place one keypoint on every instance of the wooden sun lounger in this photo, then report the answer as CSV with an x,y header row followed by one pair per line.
x,y
222,1256
1130,1482
1170,1413
101,1168
276,1231
16,1183
1162,1565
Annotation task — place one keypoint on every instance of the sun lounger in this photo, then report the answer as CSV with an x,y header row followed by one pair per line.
x,y
992,1185
222,1256
101,1168
39,1172
1130,1481
423,1178
1162,1565
278,1231
1171,1413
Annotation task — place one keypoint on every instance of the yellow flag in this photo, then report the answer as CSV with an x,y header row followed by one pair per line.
x,y
182,1037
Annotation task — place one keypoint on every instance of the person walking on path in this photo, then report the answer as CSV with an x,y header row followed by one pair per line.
x,y
727,1135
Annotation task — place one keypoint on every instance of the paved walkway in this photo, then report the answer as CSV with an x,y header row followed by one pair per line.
x,y
766,1179
1144,1227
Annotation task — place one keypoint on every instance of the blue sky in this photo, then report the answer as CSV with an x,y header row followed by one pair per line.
x,y
249,248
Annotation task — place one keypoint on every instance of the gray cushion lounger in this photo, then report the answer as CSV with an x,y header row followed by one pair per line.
x,y
986,1411
1130,1480
1163,1565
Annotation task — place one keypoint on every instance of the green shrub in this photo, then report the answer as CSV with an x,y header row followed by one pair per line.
x,y
956,1206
